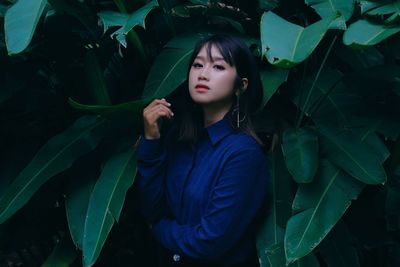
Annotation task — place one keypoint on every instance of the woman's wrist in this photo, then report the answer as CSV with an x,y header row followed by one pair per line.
x,y
151,137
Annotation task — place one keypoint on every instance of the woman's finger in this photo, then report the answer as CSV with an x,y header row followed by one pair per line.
x,y
153,114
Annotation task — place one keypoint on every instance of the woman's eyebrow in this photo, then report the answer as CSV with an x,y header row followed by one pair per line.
x,y
213,58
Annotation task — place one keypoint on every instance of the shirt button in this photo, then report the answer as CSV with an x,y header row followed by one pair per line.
x,y
176,257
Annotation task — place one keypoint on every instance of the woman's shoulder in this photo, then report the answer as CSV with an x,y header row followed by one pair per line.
x,y
241,141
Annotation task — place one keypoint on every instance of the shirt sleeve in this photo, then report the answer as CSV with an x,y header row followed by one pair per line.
x,y
235,200
151,164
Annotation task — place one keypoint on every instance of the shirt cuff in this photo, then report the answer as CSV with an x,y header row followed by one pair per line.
x,y
159,228
149,148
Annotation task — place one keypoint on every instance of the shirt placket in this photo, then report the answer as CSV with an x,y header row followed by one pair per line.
x,y
186,180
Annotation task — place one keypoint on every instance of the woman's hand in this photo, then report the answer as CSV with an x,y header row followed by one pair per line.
x,y
152,115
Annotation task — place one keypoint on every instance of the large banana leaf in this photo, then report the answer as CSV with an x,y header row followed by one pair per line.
x,y
330,100
360,59
132,107
63,254
367,5
20,23
392,9
269,235
346,150
126,23
106,202
111,19
11,166
369,137
300,149
271,80
280,195
276,258
319,205
363,33
128,112
170,68
286,44
76,204
57,155
329,8
3,10
267,5
95,79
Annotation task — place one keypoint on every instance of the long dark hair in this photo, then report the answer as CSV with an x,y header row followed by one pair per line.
x,y
235,53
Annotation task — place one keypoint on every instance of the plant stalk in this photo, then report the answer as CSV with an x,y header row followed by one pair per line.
x,y
302,110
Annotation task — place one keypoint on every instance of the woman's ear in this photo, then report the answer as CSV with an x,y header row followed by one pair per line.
x,y
244,84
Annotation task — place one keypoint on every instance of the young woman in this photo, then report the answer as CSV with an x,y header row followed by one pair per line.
x,y
202,181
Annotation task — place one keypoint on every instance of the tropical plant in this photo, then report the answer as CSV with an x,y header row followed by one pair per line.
x,y
76,74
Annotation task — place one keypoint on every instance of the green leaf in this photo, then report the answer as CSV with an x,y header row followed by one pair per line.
x,y
76,205
347,151
373,140
266,5
364,33
110,18
170,67
20,23
3,10
266,242
106,202
330,99
360,59
286,44
63,254
300,150
276,258
95,79
57,155
329,8
281,192
131,107
271,80
392,10
321,204
367,5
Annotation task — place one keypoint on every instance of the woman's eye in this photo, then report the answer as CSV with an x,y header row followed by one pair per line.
x,y
219,67
196,65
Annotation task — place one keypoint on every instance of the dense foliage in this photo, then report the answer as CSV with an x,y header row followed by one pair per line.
x,y
76,74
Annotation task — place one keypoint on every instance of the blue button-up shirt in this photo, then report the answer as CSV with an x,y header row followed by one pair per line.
x,y
202,198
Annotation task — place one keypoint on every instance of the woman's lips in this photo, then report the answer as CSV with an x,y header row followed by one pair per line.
x,y
202,87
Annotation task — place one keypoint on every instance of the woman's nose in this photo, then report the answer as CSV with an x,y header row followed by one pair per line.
x,y
204,75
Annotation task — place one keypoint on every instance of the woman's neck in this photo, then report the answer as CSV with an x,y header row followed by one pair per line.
x,y
213,114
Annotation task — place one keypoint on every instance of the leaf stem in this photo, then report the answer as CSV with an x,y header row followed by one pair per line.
x,y
302,110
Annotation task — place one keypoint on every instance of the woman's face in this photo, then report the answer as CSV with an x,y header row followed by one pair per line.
x,y
211,80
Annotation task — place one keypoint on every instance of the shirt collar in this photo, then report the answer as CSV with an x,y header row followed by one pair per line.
x,y
219,130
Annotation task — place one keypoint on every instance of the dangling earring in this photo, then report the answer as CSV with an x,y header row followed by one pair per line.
x,y
237,109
